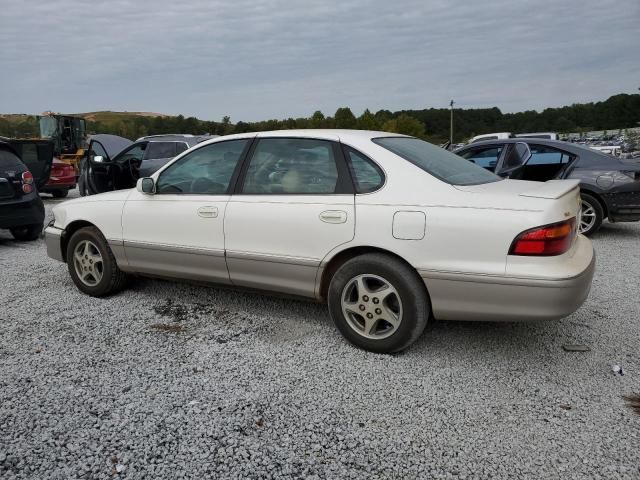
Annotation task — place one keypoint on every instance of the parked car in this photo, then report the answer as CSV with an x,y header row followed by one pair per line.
x,y
21,209
610,188
113,163
62,178
388,229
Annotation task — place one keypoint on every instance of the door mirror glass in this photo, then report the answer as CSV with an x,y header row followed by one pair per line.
x,y
97,159
146,185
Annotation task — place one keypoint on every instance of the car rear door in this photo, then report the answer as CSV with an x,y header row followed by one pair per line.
x,y
294,204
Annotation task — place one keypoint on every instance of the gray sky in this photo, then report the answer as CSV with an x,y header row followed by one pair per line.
x,y
260,59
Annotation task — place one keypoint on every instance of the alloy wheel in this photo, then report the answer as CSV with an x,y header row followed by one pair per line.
x,y
88,263
371,306
587,217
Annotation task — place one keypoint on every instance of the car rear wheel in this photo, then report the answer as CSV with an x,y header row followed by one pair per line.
x,y
27,233
91,264
378,303
591,216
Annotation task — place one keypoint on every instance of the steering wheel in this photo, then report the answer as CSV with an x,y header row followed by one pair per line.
x,y
205,185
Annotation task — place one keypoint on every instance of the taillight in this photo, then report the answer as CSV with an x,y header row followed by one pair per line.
x,y
27,182
545,241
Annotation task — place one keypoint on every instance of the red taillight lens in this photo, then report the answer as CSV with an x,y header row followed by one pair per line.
x,y
26,188
545,241
27,178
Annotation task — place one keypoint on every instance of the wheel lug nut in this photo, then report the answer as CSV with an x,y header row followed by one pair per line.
x,y
361,307
378,311
365,298
376,301
369,315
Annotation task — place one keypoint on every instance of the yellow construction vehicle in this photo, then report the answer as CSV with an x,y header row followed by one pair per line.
x,y
68,134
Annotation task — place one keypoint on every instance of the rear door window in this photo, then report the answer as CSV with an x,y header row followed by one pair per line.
x,y
293,166
160,150
543,155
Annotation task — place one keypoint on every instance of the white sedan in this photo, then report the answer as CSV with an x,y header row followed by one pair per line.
x,y
388,229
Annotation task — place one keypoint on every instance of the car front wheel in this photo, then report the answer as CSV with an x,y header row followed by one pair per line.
x,y
378,303
91,264
591,216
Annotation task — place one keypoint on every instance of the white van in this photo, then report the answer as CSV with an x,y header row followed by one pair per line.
x,y
545,135
491,136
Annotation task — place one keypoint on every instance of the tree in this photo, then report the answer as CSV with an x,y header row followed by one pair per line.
x,y
317,119
367,121
344,118
405,125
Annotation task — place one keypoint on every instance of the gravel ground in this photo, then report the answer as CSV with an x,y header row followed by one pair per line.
x,y
171,380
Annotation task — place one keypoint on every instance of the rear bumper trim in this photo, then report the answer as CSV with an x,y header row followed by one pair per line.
x,y
459,296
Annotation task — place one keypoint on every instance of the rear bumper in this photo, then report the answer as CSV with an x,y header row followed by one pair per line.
x,y
623,206
459,296
21,213
53,239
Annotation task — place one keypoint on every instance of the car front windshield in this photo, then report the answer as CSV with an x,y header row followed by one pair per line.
x,y
440,163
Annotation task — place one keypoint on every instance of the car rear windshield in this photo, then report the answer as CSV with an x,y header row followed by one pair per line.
x,y
9,159
437,161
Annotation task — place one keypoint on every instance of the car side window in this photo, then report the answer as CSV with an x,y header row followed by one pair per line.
x,y
367,176
486,157
292,166
134,153
160,150
205,171
181,147
543,155
97,150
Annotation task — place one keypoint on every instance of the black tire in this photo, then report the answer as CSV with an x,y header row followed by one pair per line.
x,y
113,279
416,306
588,201
60,193
28,233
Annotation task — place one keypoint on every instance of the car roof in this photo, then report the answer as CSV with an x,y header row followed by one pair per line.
x,y
324,134
176,137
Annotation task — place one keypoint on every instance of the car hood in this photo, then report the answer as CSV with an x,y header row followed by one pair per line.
x,y
117,195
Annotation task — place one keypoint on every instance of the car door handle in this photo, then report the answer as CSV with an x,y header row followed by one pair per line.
x,y
208,212
333,216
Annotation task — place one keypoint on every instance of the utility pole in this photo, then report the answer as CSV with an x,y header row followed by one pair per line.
x,y
451,127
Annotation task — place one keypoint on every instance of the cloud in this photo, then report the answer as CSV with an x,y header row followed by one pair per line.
x,y
272,59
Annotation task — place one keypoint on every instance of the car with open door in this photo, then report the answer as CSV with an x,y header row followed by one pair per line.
x,y
389,230
24,167
113,163
609,187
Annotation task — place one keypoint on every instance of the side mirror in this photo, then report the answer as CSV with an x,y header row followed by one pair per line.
x,y
146,185
97,159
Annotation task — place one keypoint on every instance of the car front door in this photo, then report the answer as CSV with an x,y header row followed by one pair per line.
x,y
294,204
513,161
178,230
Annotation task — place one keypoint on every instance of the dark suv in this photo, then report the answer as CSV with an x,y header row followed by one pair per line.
x,y
21,209
609,187
115,163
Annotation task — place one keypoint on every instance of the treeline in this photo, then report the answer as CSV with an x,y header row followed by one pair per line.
x,y
617,112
